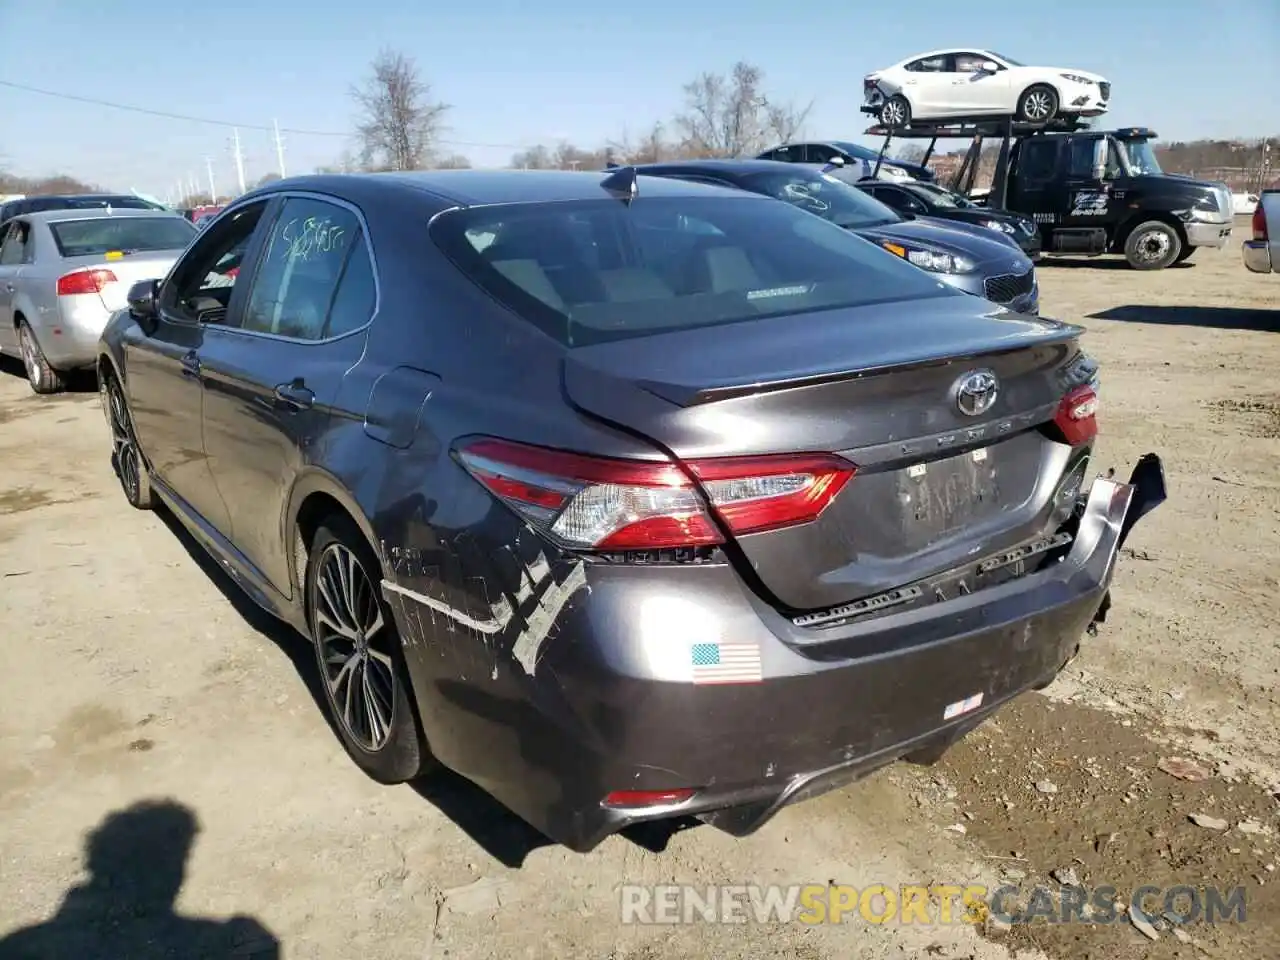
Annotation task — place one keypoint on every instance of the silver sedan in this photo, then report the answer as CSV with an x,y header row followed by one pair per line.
x,y
63,273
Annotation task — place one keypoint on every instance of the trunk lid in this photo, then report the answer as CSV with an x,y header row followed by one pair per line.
x,y
127,269
877,385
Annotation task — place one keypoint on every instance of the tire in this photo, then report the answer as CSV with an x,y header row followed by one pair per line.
x,y
1184,255
126,458
360,668
42,377
1152,245
1038,104
896,112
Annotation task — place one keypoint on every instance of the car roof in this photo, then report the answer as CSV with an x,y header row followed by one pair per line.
x,y
91,213
484,187
735,166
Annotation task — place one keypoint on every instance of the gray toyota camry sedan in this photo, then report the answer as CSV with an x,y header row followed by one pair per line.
x,y
624,497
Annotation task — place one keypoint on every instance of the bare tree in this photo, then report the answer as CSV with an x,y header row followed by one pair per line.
x,y
732,116
911,153
535,158
400,125
652,147
454,161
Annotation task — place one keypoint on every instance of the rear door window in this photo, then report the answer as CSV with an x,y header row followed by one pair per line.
x,y
593,271
1038,159
300,267
936,64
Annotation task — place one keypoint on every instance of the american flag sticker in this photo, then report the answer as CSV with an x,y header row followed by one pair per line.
x,y
961,707
726,663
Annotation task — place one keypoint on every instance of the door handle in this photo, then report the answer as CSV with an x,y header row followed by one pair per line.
x,y
295,395
191,364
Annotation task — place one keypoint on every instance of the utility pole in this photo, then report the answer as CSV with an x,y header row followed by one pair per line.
x,y
213,191
279,148
239,155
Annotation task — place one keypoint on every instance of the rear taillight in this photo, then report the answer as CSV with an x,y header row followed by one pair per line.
x,y
597,503
1259,222
84,281
1077,415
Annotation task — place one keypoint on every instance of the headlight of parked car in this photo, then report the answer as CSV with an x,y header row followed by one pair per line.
x,y
932,260
1002,225
1076,78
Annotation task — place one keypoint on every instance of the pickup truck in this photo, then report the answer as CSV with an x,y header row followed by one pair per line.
x,y
1262,253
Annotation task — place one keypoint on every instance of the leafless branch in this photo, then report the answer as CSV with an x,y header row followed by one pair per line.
x,y
400,124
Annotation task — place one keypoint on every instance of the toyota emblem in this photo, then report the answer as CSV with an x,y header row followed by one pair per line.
x,y
976,392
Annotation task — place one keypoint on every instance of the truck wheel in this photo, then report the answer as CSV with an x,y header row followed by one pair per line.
x,y
1038,104
1152,246
896,113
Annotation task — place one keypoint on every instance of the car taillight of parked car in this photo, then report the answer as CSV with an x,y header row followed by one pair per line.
x,y
1259,222
596,503
80,282
1077,415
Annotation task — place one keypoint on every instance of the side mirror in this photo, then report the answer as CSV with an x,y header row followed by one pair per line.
x,y
990,66
142,299
836,161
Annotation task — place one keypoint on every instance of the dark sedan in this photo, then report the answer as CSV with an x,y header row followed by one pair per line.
x,y
930,200
623,497
970,258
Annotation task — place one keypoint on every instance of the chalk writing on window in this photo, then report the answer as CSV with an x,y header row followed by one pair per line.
x,y
310,237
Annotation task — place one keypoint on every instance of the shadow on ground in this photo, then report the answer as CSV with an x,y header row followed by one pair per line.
x,y
136,860
1215,318
500,833
78,381
1100,262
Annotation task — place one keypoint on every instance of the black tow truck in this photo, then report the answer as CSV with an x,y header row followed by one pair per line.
x,y
1091,191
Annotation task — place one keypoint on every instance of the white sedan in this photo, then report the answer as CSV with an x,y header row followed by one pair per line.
x,y
962,84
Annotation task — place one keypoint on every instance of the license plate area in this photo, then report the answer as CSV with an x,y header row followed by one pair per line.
x,y
938,498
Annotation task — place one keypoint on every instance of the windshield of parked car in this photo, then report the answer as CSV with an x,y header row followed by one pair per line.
x,y
854,150
101,235
823,194
1009,60
942,197
594,271
1142,157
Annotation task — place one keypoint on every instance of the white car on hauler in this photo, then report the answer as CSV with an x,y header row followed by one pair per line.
x,y
971,82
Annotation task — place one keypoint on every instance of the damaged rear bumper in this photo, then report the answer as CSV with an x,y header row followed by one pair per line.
x,y
607,702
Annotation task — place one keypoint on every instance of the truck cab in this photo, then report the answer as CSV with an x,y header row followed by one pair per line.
x,y
1096,192
1091,191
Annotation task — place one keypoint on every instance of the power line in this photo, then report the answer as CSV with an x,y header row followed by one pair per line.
x,y
228,123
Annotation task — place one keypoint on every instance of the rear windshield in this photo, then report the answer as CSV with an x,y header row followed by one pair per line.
x,y
823,194
594,271
84,238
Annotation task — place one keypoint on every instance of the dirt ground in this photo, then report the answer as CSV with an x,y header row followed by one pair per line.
x,y
142,695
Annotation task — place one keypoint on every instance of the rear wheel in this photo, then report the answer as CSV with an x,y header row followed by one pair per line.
x,y
1038,104
126,459
1153,245
42,377
361,662
896,113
